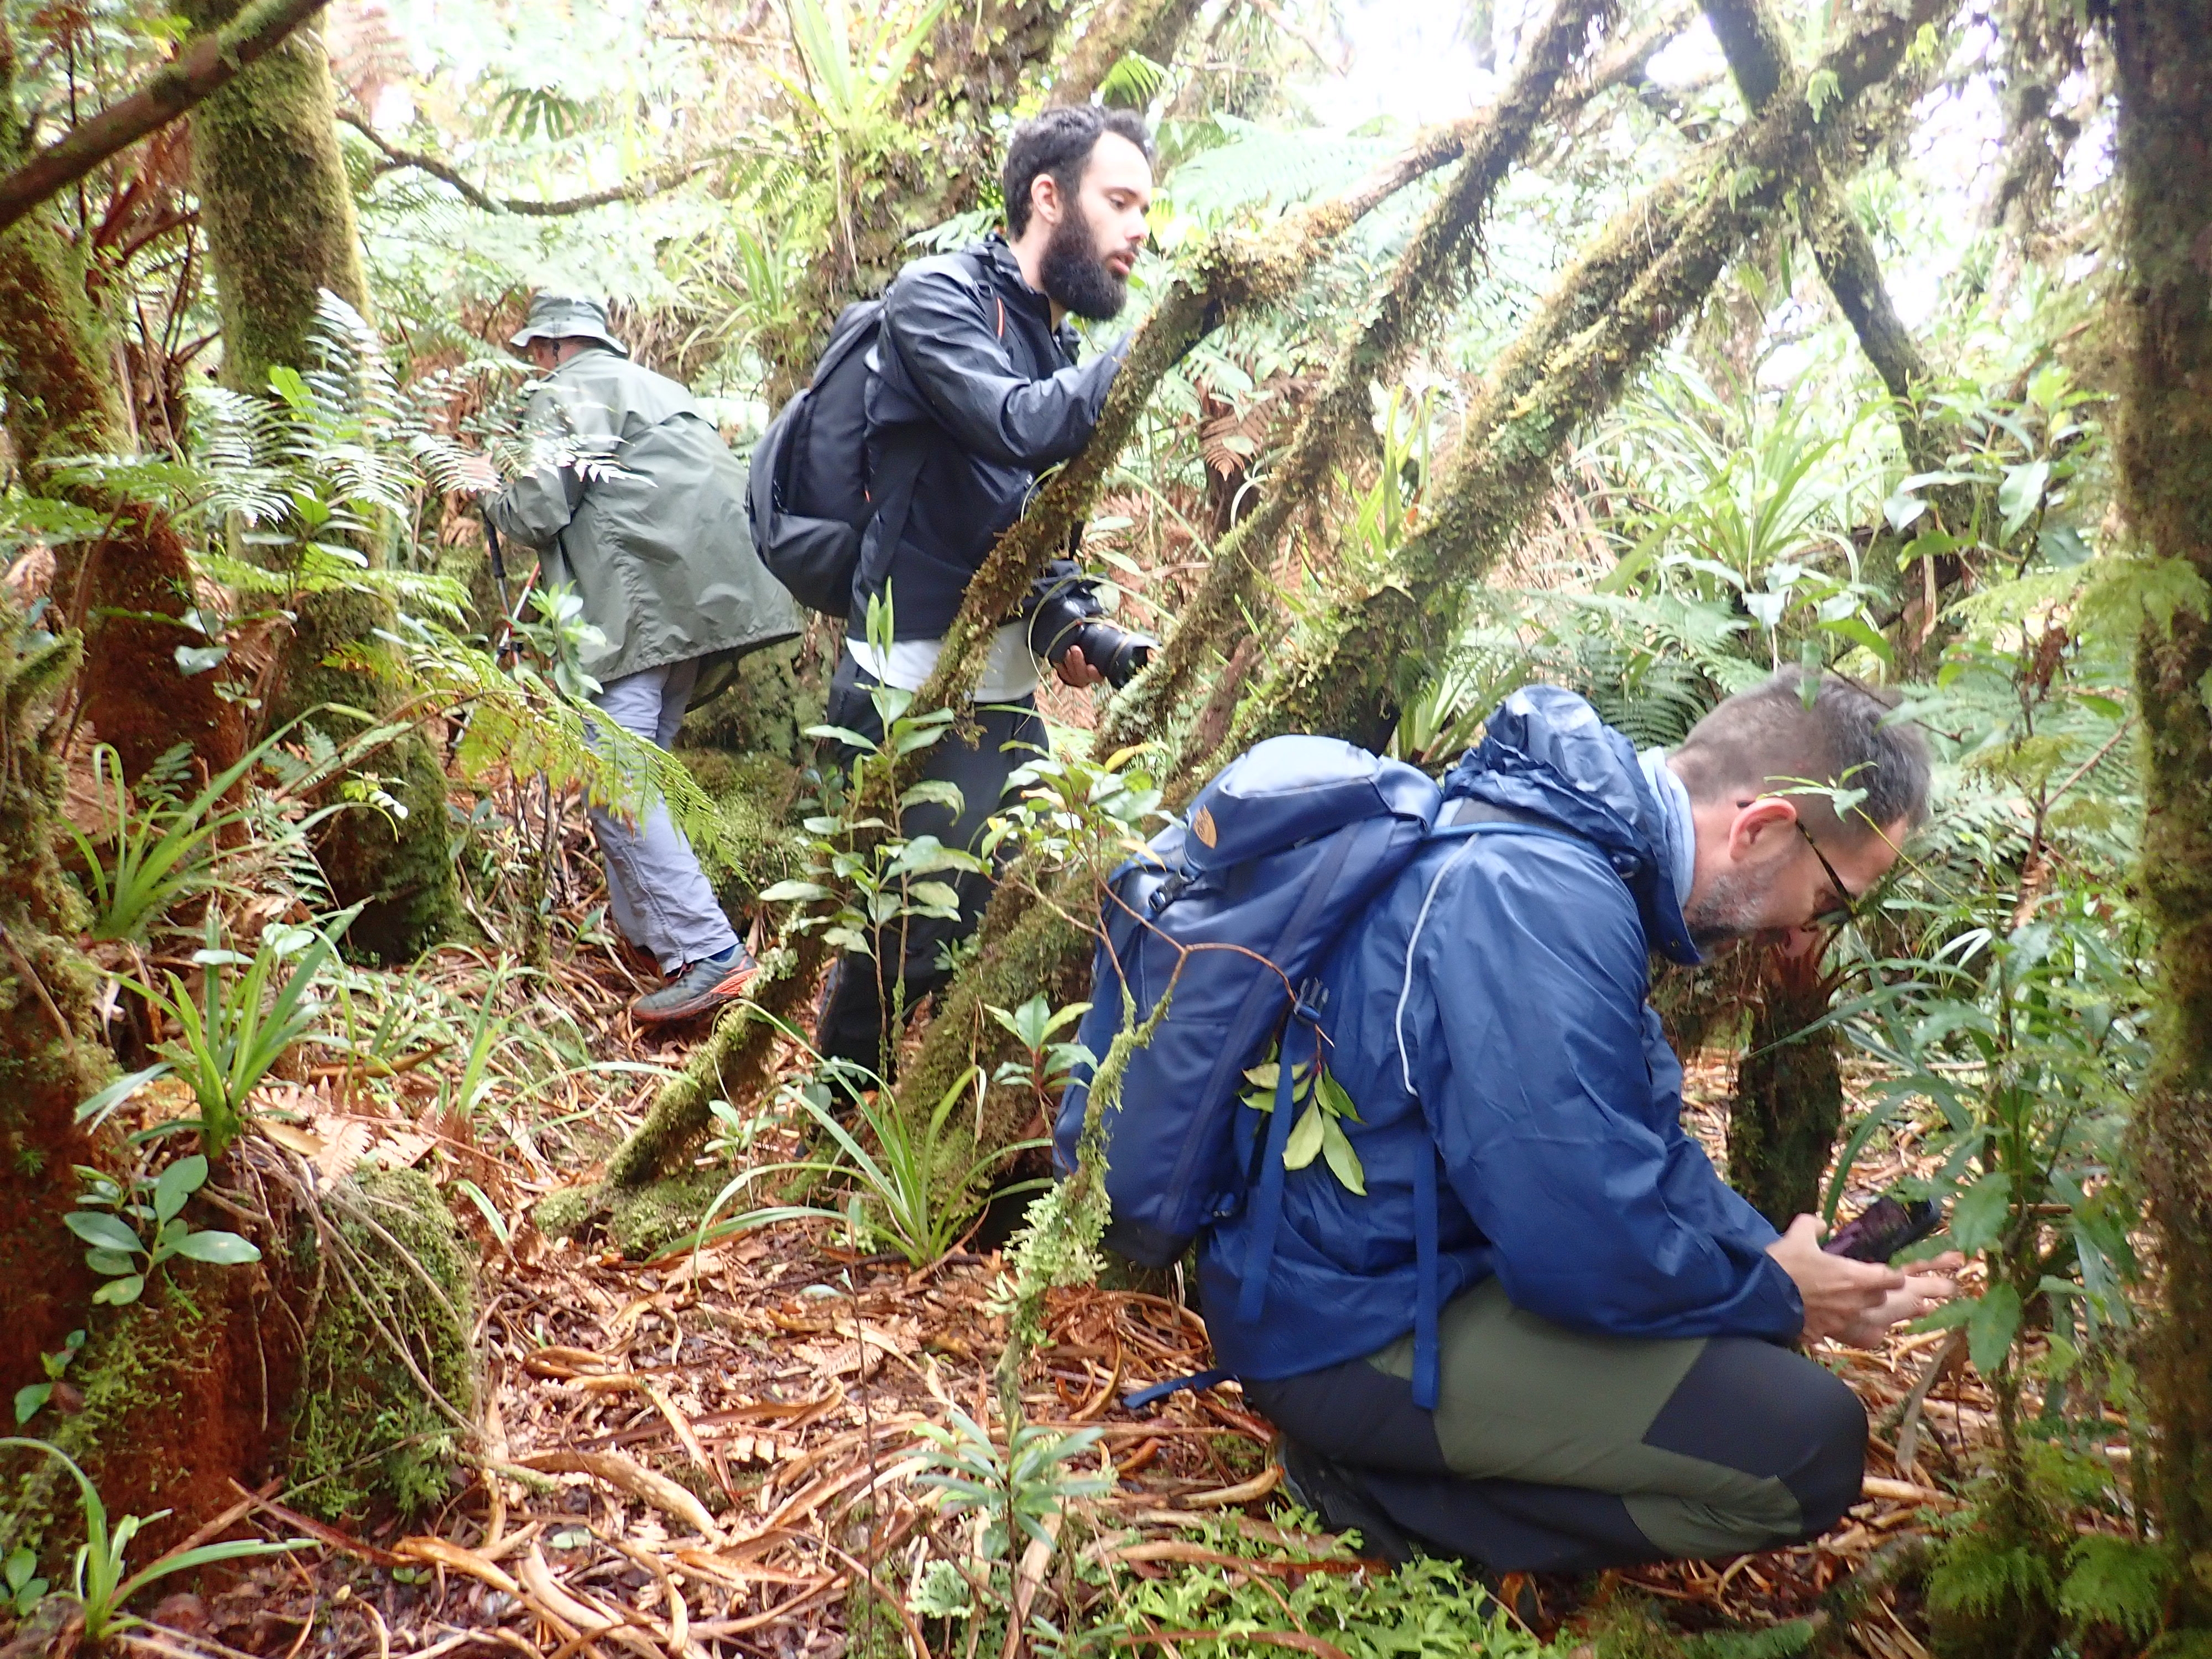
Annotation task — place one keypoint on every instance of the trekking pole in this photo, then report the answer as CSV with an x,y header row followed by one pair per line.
x,y
510,613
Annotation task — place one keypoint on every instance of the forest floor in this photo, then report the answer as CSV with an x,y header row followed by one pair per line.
x,y
716,1455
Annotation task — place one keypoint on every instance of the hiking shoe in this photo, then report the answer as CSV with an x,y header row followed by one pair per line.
x,y
699,988
1343,1502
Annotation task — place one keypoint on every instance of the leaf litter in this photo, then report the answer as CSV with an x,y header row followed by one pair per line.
x,y
706,1455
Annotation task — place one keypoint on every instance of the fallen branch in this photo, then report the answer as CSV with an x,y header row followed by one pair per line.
x,y
205,66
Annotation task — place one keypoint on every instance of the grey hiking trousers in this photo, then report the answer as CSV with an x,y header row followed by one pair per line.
x,y
661,900
1558,1450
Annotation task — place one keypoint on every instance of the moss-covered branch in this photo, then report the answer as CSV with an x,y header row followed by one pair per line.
x,y
2164,452
1348,674
1428,276
1233,275
199,71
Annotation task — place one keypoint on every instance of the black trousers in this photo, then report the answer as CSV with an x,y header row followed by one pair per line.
x,y
1558,1450
855,1022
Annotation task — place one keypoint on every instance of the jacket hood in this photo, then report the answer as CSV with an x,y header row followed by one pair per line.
x,y
1546,753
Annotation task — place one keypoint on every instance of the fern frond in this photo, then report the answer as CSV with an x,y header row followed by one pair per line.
x,y
2117,1581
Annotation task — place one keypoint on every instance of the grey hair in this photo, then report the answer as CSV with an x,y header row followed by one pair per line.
x,y
1767,741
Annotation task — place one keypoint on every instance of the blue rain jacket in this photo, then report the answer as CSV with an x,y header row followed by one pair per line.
x,y
1512,1042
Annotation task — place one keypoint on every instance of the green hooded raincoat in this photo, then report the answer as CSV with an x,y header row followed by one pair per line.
x,y
643,514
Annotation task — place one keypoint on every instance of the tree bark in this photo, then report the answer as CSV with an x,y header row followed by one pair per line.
x,y
2165,454
279,217
1789,1098
54,372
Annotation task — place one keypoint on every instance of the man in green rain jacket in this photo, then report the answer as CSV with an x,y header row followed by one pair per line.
x,y
640,508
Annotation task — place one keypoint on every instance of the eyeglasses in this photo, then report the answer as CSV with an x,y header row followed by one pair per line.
x,y
1847,906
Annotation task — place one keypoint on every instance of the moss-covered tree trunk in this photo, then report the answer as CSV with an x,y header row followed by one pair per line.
x,y
279,218
55,357
2164,144
939,154
1789,1099
1348,675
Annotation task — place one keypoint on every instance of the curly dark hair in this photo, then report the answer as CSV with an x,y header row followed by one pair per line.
x,y
1059,141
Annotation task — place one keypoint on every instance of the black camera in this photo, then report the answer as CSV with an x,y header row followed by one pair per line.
x,y
1061,622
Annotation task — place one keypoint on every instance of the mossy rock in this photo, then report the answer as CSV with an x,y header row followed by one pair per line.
x,y
365,1435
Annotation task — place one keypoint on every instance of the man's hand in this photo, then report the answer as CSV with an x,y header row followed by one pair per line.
x,y
1074,672
1855,1302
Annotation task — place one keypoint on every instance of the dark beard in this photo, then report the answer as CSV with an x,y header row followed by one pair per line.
x,y
1071,273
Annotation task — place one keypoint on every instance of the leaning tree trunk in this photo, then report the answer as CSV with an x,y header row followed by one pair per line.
x,y
2165,146
1347,674
1602,319
279,217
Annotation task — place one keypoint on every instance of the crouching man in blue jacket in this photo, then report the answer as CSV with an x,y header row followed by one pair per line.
x,y
1607,1335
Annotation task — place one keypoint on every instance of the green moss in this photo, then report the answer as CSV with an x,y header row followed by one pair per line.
x,y
274,201
363,1432
646,1221
566,1213
757,841
400,868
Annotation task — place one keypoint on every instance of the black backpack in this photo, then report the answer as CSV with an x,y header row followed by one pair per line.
x,y
807,495
810,497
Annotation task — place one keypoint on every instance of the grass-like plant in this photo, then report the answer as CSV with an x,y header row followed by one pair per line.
x,y
237,1029
899,1199
96,1573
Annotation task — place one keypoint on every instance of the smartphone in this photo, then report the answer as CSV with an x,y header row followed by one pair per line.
x,y
1885,1227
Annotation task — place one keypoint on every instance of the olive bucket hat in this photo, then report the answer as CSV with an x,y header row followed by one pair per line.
x,y
566,317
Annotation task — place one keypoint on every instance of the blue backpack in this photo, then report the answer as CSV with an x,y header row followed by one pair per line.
x,y
1279,853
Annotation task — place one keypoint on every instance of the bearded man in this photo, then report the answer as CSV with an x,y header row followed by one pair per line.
x,y
974,390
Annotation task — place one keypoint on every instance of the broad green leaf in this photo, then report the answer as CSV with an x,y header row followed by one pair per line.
x,y
228,1250
845,735
119,1293
28,1399
1343,1161
2020,494
1264,1077
178,1183
1304,1143
1977,1220
1336,1101
102,1232
793,892
1991,1327
110,1262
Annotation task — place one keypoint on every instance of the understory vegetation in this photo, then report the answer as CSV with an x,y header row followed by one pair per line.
x,y
371,1283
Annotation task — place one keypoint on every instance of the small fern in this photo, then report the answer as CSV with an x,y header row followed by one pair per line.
x,y
2117,1581
1985,1577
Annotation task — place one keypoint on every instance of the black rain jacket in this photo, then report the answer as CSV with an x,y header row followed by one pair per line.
x,y
973,393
